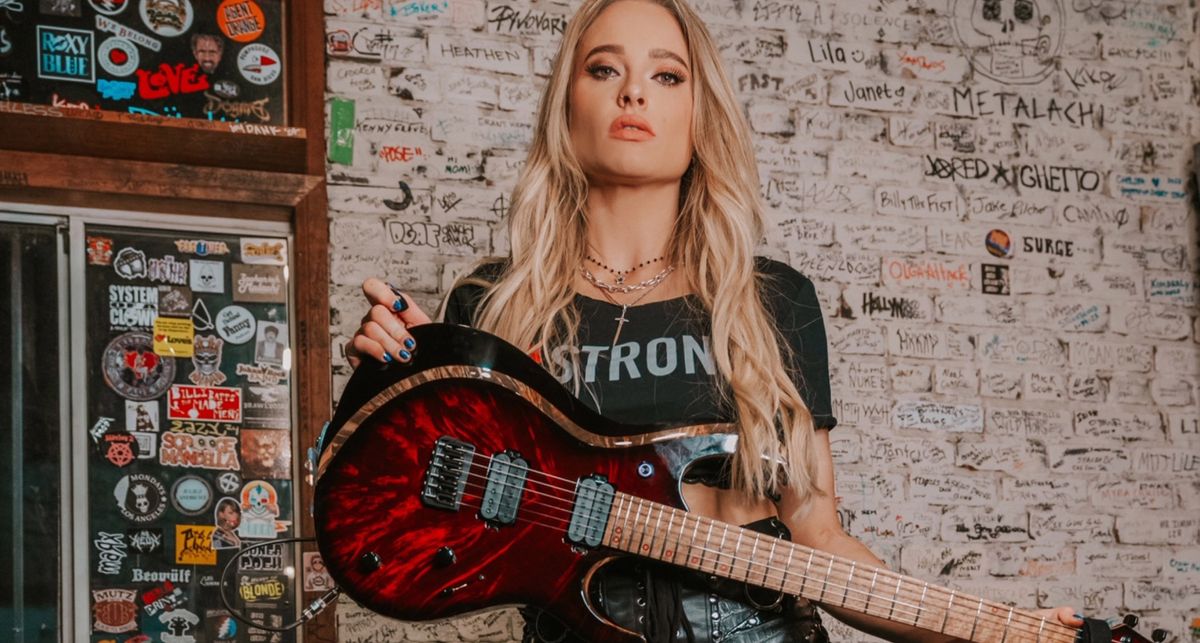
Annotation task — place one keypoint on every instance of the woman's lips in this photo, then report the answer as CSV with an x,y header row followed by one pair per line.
x,y
630,128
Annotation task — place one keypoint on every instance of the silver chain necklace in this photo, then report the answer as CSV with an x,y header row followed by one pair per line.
x,y
625,289
607,290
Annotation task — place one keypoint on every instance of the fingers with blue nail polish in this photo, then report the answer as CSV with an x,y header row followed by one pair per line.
x,y
404,355
410,343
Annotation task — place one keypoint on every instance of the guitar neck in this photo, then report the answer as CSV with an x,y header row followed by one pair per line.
x,y
670,535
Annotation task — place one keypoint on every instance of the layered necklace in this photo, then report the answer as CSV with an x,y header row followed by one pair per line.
x,y
607,289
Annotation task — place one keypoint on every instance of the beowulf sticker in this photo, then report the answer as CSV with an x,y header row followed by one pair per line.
x,y
174,301
130,263
215,403
193,545
260,510
265,453
132,307
145,541
140,497
141,416
99,251
173,337
235,324
132,369
259,284
198,452
114,610
191,495
206,361
207,276
264,251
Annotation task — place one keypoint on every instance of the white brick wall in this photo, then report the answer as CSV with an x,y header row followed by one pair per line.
x,y
1038,447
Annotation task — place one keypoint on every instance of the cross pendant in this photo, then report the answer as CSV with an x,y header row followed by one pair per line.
x,y
620,319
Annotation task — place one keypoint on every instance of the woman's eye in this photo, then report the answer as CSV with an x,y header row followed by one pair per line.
x,y
601,71
670,78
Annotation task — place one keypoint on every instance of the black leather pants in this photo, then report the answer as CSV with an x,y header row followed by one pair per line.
x,y
670,605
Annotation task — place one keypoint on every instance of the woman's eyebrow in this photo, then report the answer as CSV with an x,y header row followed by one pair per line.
x,y
620,51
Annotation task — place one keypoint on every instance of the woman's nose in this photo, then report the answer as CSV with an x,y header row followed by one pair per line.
x,y
631,93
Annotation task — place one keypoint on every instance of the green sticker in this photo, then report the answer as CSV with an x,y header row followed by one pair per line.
x,y
341,131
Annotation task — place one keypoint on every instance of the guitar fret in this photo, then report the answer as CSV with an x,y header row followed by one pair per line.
x,y
683,518
638,516
896,595
771,561
737,550
849,580
825,586
707,547
920,606
654,533
804,581
692,544
978,611
1041,627
870,592
749,561
670,553
1007,622
721,548
787,567
946,616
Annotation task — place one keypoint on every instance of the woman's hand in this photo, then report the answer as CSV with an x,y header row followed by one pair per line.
x,y
384,334
1064,615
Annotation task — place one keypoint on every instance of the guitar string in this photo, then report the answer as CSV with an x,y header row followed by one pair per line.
x,y
1029,618
1013,625
966,609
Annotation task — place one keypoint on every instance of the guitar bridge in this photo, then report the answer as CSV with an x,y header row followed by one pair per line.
x,y
446,477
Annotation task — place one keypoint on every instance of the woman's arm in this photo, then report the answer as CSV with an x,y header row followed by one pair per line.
x,y
814,523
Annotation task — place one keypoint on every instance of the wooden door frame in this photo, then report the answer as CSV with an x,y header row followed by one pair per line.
x,y
109,160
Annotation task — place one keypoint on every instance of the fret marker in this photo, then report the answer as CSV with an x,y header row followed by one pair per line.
x,y
645,547
695,560
667,554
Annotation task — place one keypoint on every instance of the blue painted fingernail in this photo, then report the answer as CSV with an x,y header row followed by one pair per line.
x,y
405,356
387,358
1079,616
400,305
409,343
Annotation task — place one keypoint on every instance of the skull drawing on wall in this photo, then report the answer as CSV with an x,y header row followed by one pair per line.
x,y
140,501
1011,41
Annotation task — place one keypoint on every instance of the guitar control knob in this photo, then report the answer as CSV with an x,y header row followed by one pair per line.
x,y
1158,636
444,557
369,562
1131,620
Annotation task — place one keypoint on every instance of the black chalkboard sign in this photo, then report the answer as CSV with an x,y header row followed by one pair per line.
x,y
218,60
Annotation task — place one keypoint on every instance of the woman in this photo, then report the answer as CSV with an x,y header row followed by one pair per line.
x,y
632,277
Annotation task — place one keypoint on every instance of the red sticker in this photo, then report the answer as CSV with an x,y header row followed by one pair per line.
x,y
215,403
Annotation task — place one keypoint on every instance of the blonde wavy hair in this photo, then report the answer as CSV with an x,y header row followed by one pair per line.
x,y
719,223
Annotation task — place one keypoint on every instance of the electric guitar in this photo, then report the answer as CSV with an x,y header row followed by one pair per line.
x,y
470,478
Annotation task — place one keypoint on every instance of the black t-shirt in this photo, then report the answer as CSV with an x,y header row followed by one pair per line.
x,y
661,369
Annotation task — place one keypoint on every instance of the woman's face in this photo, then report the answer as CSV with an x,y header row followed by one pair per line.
x,y
632,63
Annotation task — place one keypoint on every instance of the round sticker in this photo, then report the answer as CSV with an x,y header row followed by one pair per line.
x,y
118,56
235,324
259,64
998,243
140,497
119,447
229,482
191,495
130,263
167,18
241,20
109,7
133,370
